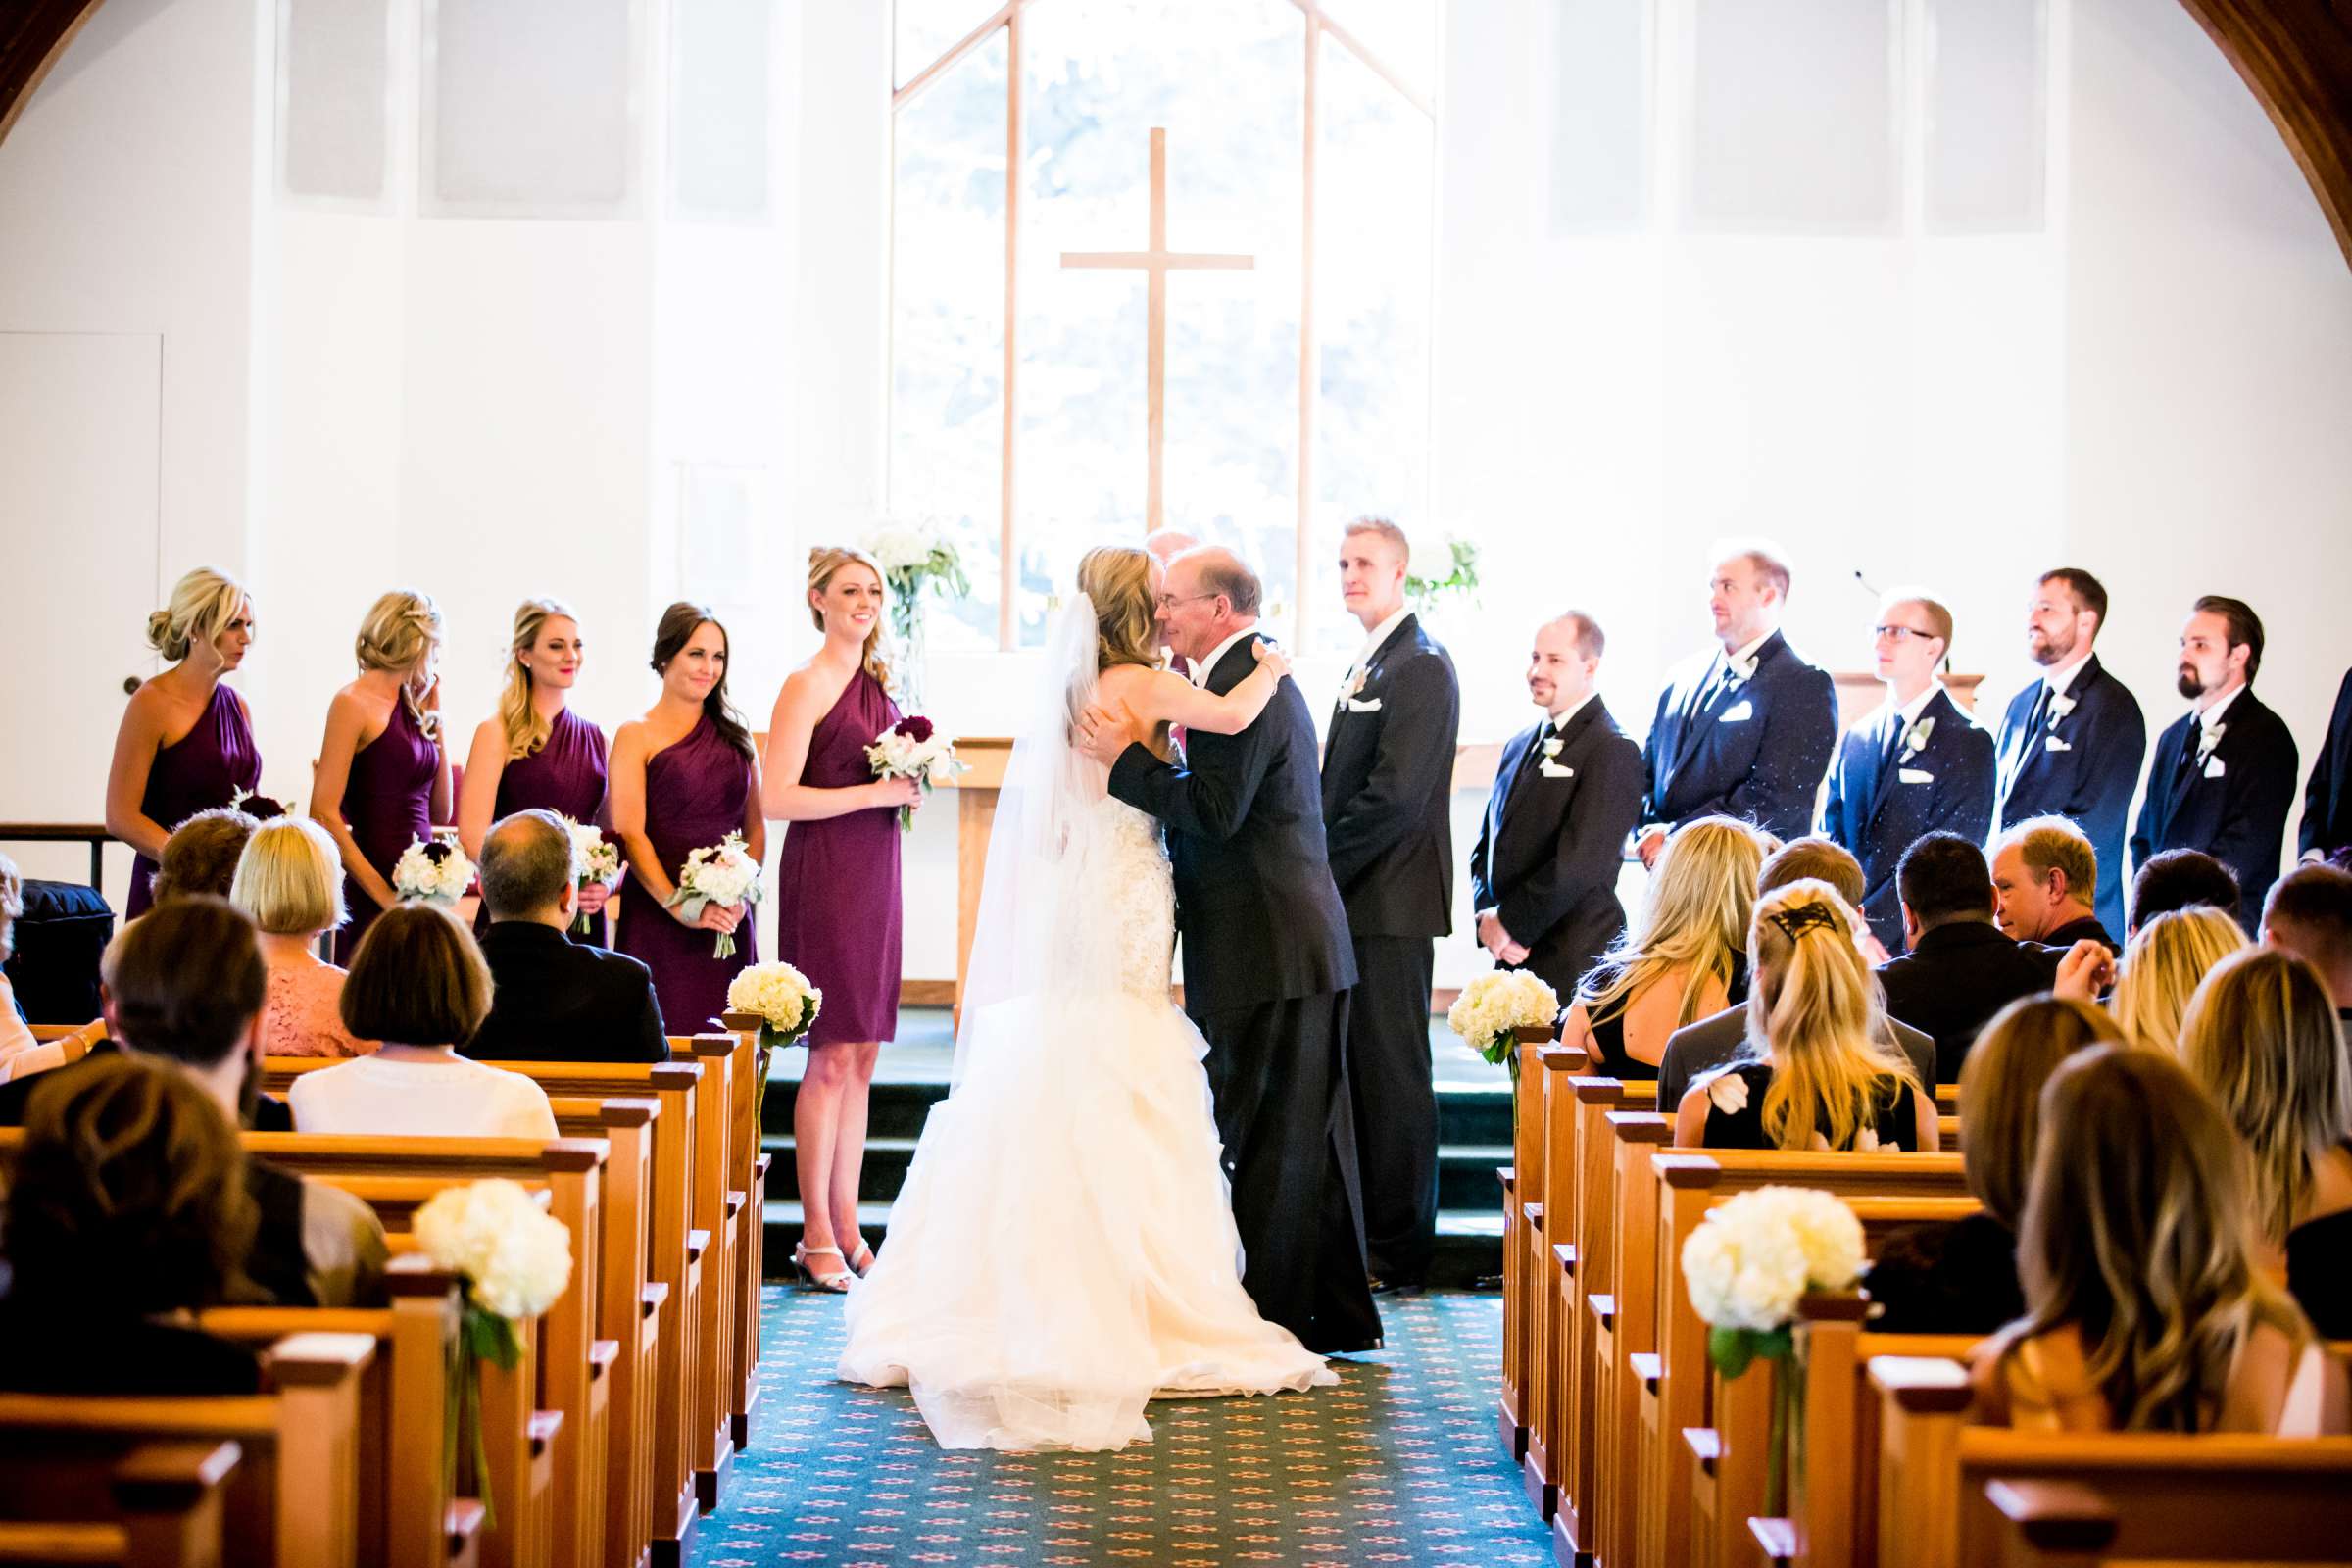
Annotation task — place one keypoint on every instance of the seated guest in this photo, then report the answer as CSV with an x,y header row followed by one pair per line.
x,y
2309,913
201,856
2327,832
290,880
2146,1308
1915,764
16,1035
183,985
2044,875
2261,1038
1684,956
2181,879
1960,1276
418,983
2167,959
1721,1040
1817,1076
1960,970
127,1203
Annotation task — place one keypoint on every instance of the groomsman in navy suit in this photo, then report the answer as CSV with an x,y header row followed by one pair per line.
x,y
2327,799
1544,874
1746,728
2070,744
2222,777
1915,764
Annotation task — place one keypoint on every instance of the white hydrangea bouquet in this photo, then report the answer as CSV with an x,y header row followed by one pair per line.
x,y
912,748
596,860
1746,1267
433,870
515,1261
783,1002
719,873
1496,1007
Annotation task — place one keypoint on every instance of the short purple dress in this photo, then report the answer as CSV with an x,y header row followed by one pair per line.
x,y
202,769
838,914
695,793
564,775
388,805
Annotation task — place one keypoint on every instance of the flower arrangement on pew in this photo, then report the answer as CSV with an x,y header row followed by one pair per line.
x,y
719,873
786,1005
515,1261
912,748
433,870
1746,1266
1495,1008
598,858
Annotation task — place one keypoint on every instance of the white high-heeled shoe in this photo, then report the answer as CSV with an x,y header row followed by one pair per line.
x,y
837,1283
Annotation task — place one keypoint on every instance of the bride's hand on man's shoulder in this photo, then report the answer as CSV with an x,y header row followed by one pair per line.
x,y
1102,733
1271,658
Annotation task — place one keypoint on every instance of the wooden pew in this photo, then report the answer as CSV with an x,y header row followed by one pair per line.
x,y
1545,1125
293,1496
161,1506
717,1206
750,1165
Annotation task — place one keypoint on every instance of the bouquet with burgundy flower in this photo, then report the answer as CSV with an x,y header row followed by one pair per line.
x,y
261,807
912,748
434,870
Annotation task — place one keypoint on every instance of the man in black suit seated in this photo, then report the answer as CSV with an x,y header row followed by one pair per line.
x,y
2070,743
2222,779
2309,913
1707,1043
1543,873
1960,970
1745,729
2181,879
1917,763
2326,833
2044,875
1387,829
555,1000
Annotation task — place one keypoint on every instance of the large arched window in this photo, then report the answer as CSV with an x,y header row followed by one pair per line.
x,y
1301,135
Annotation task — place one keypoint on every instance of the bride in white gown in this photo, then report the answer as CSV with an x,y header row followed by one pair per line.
x,y
1064,1249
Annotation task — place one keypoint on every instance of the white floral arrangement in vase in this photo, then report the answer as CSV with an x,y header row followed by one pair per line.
x,y
914,558
723,873
596,860
783,1002
1497,1009
433,871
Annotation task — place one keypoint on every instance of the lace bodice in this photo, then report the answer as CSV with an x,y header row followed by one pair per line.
x,y
1140,898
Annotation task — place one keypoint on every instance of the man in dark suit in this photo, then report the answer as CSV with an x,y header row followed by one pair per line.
x,y
1267,963
1746,728
1699,1048
2044,873
1543,873
1960,970
2070,744
1917,765
2223,776
1387,788
554,1000
2326,833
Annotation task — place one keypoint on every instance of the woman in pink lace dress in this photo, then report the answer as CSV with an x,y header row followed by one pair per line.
x,y
290,880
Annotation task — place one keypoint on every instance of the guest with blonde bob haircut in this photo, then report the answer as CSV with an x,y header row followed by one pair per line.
x,y
1684,957
2146,1308
2166,960
290,880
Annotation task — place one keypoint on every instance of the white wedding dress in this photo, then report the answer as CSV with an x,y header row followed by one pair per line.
x,y
1063,1249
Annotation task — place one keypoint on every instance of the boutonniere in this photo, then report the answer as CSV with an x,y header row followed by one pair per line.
x,y
2060,706
1552,747
1915,739
1740,671
1355,681
2210,739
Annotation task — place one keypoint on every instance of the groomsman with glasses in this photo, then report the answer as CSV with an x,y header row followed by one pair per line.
x,y
2070,744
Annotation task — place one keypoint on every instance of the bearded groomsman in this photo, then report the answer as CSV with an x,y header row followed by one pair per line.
x,y
1746,728
2072,742
1544,875
1388,782
2223,776
1915,766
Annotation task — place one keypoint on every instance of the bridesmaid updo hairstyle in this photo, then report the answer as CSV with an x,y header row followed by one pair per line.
x,y
398,629
670,637
203,603
1118,580
823,561
526,728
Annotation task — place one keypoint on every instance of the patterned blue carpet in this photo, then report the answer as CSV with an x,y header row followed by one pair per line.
x,y
1399,1464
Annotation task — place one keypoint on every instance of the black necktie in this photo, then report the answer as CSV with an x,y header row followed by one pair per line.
x,y
1893,743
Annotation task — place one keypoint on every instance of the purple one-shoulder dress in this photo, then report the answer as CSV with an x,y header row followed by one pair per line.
x,y
565,775
202,769
695,793
838,913
388,805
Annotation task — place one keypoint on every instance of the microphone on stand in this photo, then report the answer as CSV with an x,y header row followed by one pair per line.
x,y
1868,586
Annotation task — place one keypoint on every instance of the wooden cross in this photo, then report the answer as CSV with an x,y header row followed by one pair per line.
x,y
1156,262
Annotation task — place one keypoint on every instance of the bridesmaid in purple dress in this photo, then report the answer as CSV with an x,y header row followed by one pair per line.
x,y
684,779
537,753
186,741
837,894
383,778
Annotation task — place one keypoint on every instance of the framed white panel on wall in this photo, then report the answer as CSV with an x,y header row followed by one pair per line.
x,y
532,107
337,70
1985,84
1602,104
719,109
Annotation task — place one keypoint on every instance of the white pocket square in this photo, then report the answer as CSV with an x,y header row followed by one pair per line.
x,y
2213,768
1359,704
1555,771
2052,742
1737,711
1914,775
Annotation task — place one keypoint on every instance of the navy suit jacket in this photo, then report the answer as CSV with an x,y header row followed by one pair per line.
x,y
2327,799
1388,789
1756,750
2234,807
2082,766
1880,803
